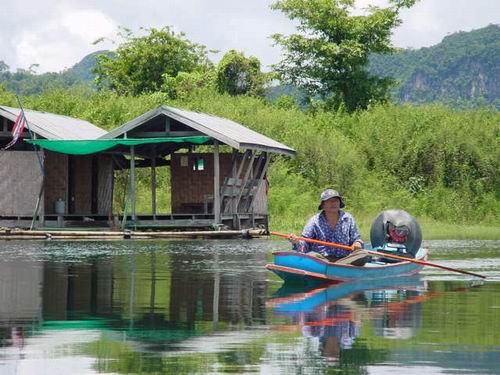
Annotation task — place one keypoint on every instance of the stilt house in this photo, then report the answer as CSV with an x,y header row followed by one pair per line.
x,y
217,169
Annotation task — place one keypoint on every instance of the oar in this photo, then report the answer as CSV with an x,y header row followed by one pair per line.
x,y
350,248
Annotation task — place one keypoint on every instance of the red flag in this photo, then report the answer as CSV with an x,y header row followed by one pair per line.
x,y
17,129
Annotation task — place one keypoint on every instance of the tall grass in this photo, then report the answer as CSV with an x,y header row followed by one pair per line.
x,y
439,164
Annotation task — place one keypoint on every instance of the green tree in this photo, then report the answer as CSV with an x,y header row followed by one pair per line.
x,y
184,84
329,56
141,62
239,75
4,68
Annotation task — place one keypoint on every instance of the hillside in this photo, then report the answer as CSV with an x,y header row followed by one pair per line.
x,y
83,69
464,69
25,82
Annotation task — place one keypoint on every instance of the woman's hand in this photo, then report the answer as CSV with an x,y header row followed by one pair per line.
x,y
357,245
293,238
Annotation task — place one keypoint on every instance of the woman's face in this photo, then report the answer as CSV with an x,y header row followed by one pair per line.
x,y
331,205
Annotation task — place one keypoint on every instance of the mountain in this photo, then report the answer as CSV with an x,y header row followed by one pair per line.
x,y
26,82
84,68
462,70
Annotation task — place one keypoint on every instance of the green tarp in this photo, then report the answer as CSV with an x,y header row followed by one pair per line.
x,y
78,147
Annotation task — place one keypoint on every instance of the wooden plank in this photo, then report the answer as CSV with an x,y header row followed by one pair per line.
x,y
259,180
231,185
225,200
217,205
245,179
247,199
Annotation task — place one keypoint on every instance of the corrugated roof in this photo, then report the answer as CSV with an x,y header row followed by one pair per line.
x,y
224,130
52,126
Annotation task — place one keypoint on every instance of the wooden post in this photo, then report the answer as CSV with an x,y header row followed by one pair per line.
x,y
153,183
132,181
234,177
217,216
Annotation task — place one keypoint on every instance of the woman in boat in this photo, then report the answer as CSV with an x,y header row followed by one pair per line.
x,y
332,224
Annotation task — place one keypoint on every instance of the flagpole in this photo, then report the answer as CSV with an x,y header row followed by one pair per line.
x,y
40,162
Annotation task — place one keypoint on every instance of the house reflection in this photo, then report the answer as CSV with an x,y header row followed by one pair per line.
x,y
150,297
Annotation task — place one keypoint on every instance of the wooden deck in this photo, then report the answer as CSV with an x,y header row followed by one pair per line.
x,y
173,222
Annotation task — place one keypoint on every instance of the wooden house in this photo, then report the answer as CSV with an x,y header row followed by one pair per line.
x,y
34,181
217,169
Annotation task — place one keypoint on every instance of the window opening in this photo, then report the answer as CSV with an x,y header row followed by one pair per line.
x,y
199,164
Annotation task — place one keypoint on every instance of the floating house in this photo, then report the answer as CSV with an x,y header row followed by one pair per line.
x,y
63,174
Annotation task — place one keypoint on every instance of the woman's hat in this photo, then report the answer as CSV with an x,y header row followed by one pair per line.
x,y
328,194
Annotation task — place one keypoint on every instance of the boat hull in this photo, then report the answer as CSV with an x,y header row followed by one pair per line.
x,y
297,267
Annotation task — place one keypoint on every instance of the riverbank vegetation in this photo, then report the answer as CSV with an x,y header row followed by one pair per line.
x,y
439,164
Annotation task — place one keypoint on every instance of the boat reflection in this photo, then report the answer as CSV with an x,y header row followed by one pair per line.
x,y
332,317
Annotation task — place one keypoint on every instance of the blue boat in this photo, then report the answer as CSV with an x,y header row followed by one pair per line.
x,y
295,267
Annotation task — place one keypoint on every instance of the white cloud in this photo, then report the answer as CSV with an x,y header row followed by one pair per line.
x,y
429,21
63,35
63,39
88,25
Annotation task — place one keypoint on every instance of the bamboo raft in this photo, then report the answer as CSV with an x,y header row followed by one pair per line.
x,y
19,234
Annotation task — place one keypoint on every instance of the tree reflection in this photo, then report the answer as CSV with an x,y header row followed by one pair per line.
x,y
181,309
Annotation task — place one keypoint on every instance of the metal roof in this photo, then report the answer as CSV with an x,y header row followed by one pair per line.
x,y
226,131
52,126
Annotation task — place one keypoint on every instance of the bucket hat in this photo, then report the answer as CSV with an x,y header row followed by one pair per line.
x,y
328,194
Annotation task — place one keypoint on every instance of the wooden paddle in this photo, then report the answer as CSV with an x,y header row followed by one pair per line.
x,y
385,255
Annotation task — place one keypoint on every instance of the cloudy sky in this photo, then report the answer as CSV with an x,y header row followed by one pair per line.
x,y
56,34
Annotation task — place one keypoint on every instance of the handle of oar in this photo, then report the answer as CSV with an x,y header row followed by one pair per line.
x,y
332,244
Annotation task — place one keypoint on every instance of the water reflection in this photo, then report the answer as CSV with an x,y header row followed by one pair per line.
x,y
211,307
126,304
332,316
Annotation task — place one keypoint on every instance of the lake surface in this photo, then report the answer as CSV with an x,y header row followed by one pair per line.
x,y
210,307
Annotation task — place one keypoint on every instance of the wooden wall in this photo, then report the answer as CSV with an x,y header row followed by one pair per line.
x,y
58,168
82,184
104,185
56,180
190,187
20,182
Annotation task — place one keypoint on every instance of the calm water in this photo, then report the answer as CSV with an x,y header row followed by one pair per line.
x,y
210,307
